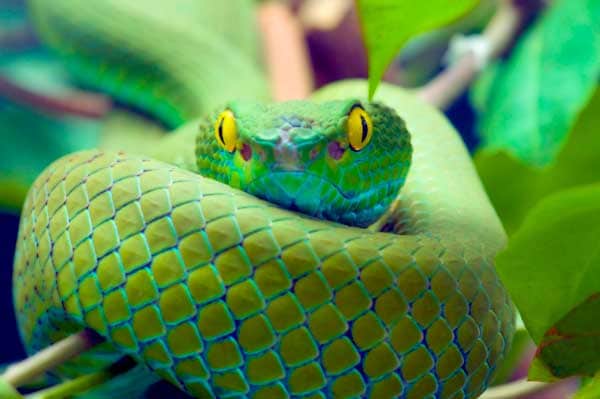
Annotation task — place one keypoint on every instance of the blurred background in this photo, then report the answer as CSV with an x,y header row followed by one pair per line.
x,y
521,117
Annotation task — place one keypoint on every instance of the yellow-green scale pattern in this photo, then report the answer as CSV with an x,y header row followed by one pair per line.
x,y
228,296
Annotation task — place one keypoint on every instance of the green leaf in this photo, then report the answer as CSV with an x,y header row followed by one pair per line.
x,y
537,94
590,390
570,347
514,188
552,271
388,24
30,139
551,266
7,391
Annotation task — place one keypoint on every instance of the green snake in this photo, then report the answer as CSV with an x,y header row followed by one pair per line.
x,y
228,295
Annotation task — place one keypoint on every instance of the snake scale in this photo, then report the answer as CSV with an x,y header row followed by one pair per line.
x,y
227,295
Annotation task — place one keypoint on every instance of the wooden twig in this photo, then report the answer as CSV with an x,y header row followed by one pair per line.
x,y
443,90
285,52
26,370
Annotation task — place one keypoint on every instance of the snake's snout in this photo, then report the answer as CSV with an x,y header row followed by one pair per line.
x,y
286,158
286,152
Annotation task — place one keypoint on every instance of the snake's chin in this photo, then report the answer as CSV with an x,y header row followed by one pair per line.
x,y
302,191
316,196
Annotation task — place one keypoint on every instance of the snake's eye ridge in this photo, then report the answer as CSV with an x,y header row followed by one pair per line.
x,y
360,128
226,130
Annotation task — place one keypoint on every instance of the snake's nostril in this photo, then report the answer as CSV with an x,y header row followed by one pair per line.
x,y
335,150
246,152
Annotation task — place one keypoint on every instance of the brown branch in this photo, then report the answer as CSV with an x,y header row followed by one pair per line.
x,y
442,90
81,104
285,52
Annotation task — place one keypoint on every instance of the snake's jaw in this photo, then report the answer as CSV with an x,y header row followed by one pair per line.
x,y
315,195
300,191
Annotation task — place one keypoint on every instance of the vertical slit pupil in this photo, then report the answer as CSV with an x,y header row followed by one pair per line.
x,y
365,128
221,130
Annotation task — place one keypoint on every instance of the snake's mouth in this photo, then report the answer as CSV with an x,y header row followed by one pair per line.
x,y
302,191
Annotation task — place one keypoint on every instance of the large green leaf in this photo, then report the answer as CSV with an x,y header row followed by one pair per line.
x,y
590,390
552,271
388,24
536,95
514,187
571,345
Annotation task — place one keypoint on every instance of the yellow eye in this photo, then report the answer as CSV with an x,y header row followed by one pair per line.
x,y
226,131
360,128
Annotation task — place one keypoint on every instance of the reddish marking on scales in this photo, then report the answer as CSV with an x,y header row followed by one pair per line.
x,y
246,152
335,150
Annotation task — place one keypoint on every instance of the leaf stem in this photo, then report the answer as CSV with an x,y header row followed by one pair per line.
x,y
26,370
442,90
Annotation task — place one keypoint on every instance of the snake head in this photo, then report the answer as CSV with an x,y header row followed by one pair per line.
x,y
340,160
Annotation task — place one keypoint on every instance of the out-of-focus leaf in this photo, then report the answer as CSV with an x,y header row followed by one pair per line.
x,y
590,390
539,371
511,185
481,89
552,271
539,91
514,187
7,391
32,140
388,24
551,266
570,347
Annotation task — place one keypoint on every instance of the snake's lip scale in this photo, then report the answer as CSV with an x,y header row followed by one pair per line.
x,y
281,167
259,180
349,195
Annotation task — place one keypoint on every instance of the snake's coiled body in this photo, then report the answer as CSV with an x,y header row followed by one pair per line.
x,y
226,295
